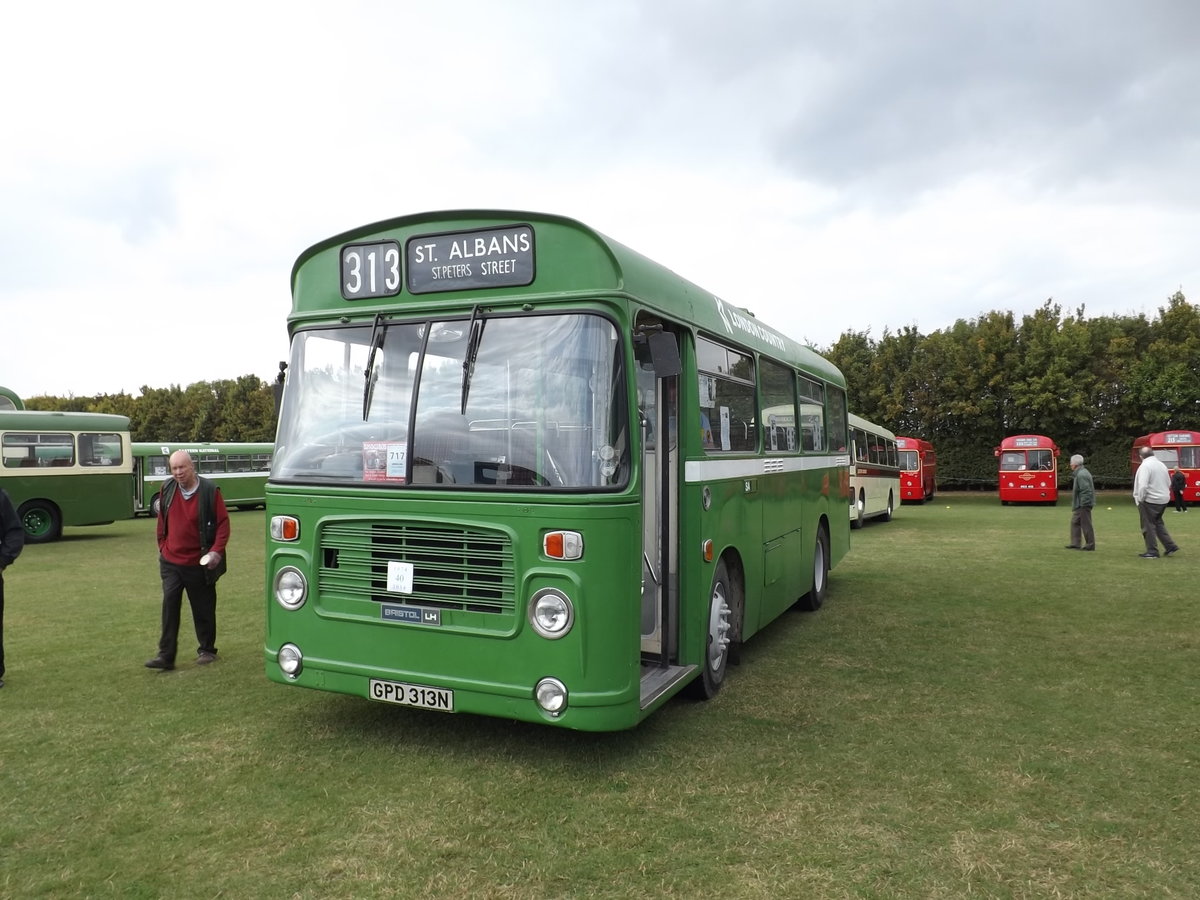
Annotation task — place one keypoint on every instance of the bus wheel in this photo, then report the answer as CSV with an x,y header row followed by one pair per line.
x,y
887,516
156,505
860,510
722,631
41,520
815,598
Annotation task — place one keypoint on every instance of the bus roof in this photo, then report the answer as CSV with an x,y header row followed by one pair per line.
x,y
1168,438
912,443
1027,442
30,420
571,258
865,425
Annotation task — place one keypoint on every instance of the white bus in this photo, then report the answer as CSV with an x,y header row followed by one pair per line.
x,y
874,471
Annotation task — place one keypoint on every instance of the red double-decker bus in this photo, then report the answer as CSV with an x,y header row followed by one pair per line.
x,y
918,469
1028,469
1178,450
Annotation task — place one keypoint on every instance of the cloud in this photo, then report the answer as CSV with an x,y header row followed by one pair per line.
x,y
831,168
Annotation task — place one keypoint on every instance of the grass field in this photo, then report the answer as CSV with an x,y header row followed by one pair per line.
x,y
975,713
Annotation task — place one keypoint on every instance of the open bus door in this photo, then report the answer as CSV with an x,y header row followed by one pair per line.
x,y
658,389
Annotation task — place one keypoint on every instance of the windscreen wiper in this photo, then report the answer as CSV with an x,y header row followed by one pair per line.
x,y
378,333
475,336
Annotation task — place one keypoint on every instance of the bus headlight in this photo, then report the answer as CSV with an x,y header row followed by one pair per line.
x,y
291,660
551,696
551,613
291,589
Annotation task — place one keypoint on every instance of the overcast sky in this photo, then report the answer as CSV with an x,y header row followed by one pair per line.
x,y
832,166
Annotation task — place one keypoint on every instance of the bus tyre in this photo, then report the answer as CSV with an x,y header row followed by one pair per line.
x,y
815,598
721,634
156,505
887,516
41,520
860,511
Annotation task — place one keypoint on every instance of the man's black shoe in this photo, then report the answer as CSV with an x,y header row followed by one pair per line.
x,y
1172,550
1070,547
1148,555
1087,548
1,682
159,663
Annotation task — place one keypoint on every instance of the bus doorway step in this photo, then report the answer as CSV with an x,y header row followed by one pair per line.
x,y
657,680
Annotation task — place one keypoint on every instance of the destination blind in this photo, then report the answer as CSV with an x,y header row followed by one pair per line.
x,y
495,257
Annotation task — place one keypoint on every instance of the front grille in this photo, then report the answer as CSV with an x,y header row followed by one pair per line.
x,y
453,568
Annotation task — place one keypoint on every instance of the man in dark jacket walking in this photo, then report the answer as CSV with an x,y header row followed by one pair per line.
x,y
12,539
1178,486
1083,498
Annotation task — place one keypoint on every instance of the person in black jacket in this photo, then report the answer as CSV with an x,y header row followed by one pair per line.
x,y
1178,484
193,529
12,539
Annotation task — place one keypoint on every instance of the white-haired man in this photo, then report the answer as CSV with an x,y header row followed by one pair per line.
x,y
1083,498
1152,493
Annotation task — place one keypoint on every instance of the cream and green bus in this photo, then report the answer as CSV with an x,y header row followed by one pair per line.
x,y
65,469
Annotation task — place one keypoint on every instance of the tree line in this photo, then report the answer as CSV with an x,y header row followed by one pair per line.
x,y
1090,384
239,409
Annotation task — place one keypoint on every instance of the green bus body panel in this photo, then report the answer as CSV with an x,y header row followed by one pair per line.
x,y
81,499
571,258
491,660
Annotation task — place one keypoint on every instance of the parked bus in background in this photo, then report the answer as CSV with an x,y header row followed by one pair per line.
x,y
918,469
874,472
1178,450
1028,469
524,471
9,400
65,468
239,469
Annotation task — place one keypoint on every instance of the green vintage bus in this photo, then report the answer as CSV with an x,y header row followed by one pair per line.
x,y
239,469
65,468
523,471
9,399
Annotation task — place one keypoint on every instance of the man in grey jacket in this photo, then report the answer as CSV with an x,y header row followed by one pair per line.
x,y
1152,493
1083,498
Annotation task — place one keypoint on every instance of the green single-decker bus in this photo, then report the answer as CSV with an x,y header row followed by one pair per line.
x,y
524,471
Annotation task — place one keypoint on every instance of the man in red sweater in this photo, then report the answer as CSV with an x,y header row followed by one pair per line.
x,y
193,529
